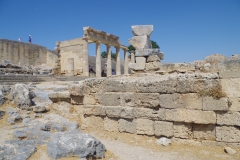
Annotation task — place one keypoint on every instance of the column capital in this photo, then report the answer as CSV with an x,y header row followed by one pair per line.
x,y
97,42
117,47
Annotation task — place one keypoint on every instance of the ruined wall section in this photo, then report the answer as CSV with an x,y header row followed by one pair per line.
x,y
71,49
203,108
29,54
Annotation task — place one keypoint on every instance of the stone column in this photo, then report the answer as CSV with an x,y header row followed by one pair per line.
x,y
132,57
118,61
125,61
98,60
109,60
85,57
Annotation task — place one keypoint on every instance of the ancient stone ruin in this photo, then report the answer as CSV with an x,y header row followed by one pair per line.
x,y
146,57
189,104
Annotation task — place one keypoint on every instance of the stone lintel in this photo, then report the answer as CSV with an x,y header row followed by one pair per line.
x,y
146,52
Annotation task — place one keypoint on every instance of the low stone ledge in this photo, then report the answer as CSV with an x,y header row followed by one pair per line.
x,y
231,119
163,128
204,132
191,116
128,126
144,126
228,134
59,96
182,130
147,113
189,101
211,104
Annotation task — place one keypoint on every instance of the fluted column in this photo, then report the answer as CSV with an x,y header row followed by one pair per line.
x,y
132,57
85,57
109,60
125,61
98,60
118,61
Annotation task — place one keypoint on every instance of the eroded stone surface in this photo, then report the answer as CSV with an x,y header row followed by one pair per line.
x,y
140,30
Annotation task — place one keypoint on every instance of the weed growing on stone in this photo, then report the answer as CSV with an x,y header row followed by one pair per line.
x,y
215,92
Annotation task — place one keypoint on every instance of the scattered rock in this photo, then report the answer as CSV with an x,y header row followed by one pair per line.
x,y
17,150
74,143
164,141
2,96
229,150
14,115
20,96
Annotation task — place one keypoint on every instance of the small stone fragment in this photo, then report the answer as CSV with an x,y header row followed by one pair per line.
x,y
229,150
164,141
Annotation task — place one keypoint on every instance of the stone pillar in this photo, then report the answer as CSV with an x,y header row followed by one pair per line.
x,y
118,61
109,60
132,57
125,61
85,57
98,60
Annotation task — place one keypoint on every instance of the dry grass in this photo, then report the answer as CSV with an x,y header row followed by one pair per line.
x,y
216,92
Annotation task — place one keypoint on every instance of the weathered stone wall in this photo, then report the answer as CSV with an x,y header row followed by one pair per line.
x,y
176,106
29,54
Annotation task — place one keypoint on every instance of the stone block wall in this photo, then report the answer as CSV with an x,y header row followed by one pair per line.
x,y
29,54
163,106
171,105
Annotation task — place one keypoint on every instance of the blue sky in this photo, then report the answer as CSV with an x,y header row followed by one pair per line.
x,y
186,30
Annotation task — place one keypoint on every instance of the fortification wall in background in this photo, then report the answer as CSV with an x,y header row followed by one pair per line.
x,y
24,53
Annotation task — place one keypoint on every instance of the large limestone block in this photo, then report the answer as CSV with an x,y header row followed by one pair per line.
x,y
140,42
110,124
140,30
231,87
153,58
110,99
128,126
140,63
232,119
210,104
192,83
145,126
189,101
120,85
191,116
93,122
148,100
153,66
148,52
235,103
204,132
76,89
182,130
162,85
228,134
119,112
89,100
229,68
147,113
162,128
93,110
